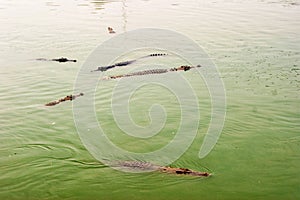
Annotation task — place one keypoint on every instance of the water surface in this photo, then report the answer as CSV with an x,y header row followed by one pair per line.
x,y
256,47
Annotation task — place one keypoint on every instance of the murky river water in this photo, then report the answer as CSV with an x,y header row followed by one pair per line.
x,y
256,48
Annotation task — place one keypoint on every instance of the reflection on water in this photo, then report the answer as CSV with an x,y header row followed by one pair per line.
x,y
256,47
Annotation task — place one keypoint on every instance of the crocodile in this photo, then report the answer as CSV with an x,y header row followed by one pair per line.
x,y
62,59
125,63
67,98
120,64
146,166
153,71
110,30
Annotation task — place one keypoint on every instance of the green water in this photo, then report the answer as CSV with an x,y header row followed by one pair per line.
x,y
255,45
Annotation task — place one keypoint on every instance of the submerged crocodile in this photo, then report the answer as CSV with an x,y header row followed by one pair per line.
x,y
146,166
125,63
62,59
153,71
67,98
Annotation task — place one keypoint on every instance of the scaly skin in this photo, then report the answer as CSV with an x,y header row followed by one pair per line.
x,y
146,166
67,98
183,171
125,63
153,71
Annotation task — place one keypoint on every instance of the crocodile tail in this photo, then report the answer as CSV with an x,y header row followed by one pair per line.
x,y
158,54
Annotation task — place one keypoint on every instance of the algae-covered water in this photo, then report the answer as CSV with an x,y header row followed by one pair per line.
x,y
255,46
